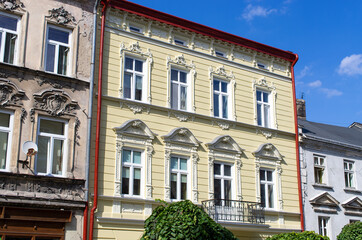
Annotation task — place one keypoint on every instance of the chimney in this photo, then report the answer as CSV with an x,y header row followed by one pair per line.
x,y
301,109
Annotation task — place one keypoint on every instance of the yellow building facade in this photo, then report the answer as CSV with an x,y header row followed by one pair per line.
x,y
190,112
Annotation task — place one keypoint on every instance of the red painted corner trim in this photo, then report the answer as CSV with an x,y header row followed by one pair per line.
x,y
297,146
201,29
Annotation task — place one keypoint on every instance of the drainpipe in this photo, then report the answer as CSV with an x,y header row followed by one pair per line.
x,y
297,146
98,123
89,120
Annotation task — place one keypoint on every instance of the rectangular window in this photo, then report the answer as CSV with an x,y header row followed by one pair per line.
x,y
135,29
348,174
267,188
133,79
131,172
6,126
179,42
319,169
8,38
263,108
52,147
179,89
222,183
179,177
221,98
323,226
58,46
220,54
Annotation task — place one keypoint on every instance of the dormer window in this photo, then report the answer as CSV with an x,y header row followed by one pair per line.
x,y
220,54
135,29
179,42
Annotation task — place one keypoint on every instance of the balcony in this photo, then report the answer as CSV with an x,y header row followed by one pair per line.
x,y
234,211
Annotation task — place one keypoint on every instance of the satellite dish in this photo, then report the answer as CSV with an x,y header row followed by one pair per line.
x,y
30,148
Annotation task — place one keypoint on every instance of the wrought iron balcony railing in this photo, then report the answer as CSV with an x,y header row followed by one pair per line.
x,y
234,211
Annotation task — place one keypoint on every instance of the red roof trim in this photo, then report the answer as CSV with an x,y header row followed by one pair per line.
x,y
201,29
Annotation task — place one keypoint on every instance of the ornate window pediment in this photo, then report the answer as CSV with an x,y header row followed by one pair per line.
x,y
181,136
61,16
324,202
136,128
353,206
225,143
12,5
268,151
55,102
10,94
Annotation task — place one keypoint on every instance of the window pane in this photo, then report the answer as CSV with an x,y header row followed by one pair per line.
x,y
127,85
174,163
183,98
128,63
270,196
224,106
42,156
137,181
183,77
269,175
4,119
227,189
224,87
49,126
8,22
227,170
50,58
173,186
138,91
262,175
258,95
346,182
63,60
3,149
217,188
259,114
126,156
350,180
217,169
138,66
174,95
17,238
183,164
58,35
10,41
262,194
265,97
174,74
57,156
216,105
216,85
266,115
136,157
321,161
316,161
183,186
125,180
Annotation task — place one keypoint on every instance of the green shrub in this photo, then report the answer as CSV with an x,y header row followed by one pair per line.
x,y
352,231
307,235
183,220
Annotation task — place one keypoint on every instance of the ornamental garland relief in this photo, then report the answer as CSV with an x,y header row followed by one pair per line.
x,y
10,95
11,5
61,16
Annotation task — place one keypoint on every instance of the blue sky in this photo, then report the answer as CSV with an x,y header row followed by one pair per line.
x,y
327,36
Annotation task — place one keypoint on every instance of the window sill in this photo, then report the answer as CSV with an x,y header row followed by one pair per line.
x,y
352,190
318,185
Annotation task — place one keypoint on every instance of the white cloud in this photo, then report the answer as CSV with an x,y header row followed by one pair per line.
x,y
315,84
256,11
351,65
331,92
303,72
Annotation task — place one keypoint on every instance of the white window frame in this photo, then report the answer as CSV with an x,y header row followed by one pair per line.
x,y
3,38
262,104
320,167
323,225
134,51
50,152
9,130
179,85
349,171
132,166
222,177
57,44
220,94
180,172
266,184
135,73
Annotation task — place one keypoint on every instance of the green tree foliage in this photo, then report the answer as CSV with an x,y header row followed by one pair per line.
x,y
307,235
352,231
183,220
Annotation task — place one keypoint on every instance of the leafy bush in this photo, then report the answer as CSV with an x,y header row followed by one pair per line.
x,y
352,231
307,235
183,220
